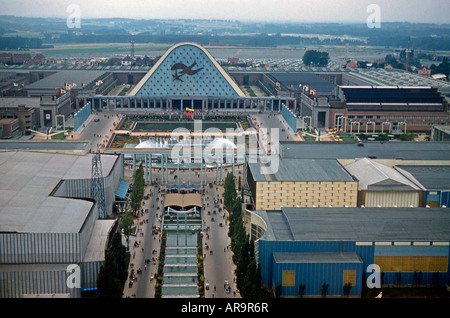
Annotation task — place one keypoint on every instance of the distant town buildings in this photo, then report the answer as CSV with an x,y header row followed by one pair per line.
x,y
22,58
320,93
126,61
424,71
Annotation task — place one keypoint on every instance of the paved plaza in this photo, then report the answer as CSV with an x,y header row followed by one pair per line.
x,y
145,248
180,274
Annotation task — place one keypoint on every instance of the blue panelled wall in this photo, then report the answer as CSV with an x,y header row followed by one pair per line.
x,y
314,275
437,198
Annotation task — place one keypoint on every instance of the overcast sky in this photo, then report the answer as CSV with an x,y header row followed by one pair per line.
x,y
431,11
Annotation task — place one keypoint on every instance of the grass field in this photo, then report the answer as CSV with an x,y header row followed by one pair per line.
x,y
101,48
59,136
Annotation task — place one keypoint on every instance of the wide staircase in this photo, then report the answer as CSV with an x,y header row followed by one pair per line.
x,y
180,265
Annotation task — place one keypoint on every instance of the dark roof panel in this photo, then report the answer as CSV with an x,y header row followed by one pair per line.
x,y
314,81
431,177
379,150
403,95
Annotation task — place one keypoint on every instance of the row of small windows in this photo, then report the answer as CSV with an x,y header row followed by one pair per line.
x,y
191,85
151,92
396,117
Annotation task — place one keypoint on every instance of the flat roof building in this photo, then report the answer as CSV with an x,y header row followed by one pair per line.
x,y
48,220
434,181
76,79
387,109
300,182
373,150
314,246
25,109
301,81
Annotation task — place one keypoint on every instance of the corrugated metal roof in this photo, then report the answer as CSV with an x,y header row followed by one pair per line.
x,y
359,224
289,169
379,150
47,145
17,101
314,81
26,183
57,80
316,257
430,177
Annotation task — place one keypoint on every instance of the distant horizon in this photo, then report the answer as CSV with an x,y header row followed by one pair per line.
x,y
252,11
225,20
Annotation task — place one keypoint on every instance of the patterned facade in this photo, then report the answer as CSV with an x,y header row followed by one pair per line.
x,y
187,69
272,195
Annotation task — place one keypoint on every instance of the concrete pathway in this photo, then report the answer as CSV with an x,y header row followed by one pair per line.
x,y
218,266
217,262
145,246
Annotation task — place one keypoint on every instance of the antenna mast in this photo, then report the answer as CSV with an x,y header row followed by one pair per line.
x,y
407,56
97,185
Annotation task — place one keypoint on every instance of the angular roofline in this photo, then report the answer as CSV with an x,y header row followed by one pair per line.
x,y
233,84
371,173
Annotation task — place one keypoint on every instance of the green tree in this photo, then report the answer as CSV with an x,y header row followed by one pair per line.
x,y
251,282
108,62
443,68
248,270
229,192
113,274
235,217
137,195
127,225
315,58
390,59
241,257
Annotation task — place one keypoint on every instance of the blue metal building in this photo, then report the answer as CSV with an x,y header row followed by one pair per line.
x,y
434,180
335,246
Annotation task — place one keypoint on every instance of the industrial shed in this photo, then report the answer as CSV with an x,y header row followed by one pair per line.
x,y
384,186
335,246
298,182
48,221
434,181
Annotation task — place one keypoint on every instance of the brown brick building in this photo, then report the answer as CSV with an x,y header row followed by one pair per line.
x,y
25,109
301,183
387,109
